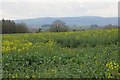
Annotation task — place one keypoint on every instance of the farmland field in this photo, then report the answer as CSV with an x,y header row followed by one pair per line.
x,y
83,54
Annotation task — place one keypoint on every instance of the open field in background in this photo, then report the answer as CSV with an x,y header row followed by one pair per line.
x,y
87,54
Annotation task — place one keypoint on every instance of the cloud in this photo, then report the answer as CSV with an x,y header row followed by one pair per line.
x,y
20,10
59,1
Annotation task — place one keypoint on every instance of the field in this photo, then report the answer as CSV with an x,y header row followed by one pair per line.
x,y
84,54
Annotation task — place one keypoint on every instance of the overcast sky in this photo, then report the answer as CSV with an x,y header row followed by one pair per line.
x,y
19,9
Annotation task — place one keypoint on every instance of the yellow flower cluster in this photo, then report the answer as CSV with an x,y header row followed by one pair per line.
x,y
50,43
112,65
6,46
15,45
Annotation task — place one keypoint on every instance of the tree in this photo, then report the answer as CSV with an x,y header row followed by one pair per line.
x,y
9,26
94,26
21,28
109,26
58,26
39,29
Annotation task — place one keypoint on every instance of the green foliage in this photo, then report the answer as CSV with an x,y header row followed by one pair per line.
x,y
110,26
9,26
21,28
85,54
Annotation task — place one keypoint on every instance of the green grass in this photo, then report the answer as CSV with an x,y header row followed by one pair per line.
x,y
84,54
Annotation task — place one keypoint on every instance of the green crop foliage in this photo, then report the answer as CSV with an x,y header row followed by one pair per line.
x,y
84,54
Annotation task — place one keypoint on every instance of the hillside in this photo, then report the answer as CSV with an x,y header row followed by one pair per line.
x,y
84,20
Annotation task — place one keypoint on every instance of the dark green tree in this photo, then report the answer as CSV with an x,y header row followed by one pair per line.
x,y
9,26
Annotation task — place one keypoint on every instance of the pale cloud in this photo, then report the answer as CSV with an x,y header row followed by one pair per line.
x,y
22,10
59,0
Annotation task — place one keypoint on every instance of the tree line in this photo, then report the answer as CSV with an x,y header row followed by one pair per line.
x,y
9,27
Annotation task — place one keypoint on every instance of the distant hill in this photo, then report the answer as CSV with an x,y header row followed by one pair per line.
x,y
84,20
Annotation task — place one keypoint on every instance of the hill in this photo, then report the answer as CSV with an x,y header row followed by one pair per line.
x,y
84,20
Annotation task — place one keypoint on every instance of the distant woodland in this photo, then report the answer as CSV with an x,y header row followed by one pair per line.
x,y
9,27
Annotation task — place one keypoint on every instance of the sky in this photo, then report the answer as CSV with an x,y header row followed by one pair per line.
x,y
25,9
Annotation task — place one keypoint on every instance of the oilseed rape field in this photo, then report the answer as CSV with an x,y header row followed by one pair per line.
x,y
82,54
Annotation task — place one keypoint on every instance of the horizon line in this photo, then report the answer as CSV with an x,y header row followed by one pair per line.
x,y
61,17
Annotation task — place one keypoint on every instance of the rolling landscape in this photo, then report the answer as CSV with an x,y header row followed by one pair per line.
x,y
38,41
83,20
